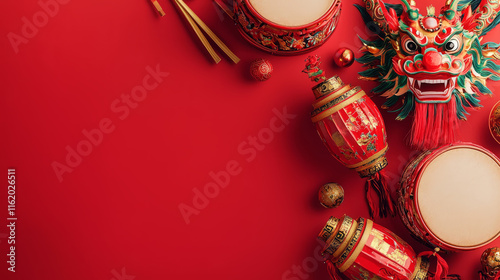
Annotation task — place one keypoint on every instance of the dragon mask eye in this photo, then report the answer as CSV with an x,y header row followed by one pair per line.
x,y
409,46
453,45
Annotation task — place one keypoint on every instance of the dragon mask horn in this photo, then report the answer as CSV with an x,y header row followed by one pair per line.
x,y
386,19
452,5
409,5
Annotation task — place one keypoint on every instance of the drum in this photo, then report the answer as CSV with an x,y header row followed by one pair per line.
x,y
363,249
286,26
449,197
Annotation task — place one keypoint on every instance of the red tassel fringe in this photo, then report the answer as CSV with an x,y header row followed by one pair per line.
x,y
434,124
332,271
377,184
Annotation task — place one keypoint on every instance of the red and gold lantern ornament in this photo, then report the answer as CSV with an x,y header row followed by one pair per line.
x,y
352,129
490,262
362,249
286,27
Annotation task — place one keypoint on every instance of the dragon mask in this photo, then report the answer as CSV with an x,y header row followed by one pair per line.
x,y
434,65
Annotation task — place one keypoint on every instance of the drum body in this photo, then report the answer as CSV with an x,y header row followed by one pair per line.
x,y
365,250
449,197
350,126
287,34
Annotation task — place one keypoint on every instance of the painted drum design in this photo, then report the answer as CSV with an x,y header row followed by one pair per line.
x,y
284,30
449,197
350,126
494,122
370,251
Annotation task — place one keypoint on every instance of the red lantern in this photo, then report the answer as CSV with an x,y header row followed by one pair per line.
x,y
362,249
351,127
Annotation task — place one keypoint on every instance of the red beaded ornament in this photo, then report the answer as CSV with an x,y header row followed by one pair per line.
x,y
261,69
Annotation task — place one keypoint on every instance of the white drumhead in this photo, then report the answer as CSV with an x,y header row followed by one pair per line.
x,y
458,196
291,12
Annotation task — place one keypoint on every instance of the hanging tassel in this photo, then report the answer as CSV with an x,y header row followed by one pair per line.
x,y
434,124
441,266
377,184
332,271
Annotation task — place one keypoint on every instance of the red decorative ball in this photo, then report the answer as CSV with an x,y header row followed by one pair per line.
x,y
261,69
344,57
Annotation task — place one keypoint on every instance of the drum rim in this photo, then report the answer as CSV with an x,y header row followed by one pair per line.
x,y
278,52
284,27
427,160
496,106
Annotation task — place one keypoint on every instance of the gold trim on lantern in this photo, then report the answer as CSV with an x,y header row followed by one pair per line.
x,y
327,86
328,230
328,98
339,99
338,237
370,159
345,241
374,167
359,247
337,104
352,242
421,270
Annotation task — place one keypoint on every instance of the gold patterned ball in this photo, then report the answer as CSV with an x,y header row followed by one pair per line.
x,y
331,195
490,260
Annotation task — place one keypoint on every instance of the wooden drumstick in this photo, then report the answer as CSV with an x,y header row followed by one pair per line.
x,y
158,7
207,30
198,32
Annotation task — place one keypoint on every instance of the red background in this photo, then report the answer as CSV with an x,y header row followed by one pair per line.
x,y
119,208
